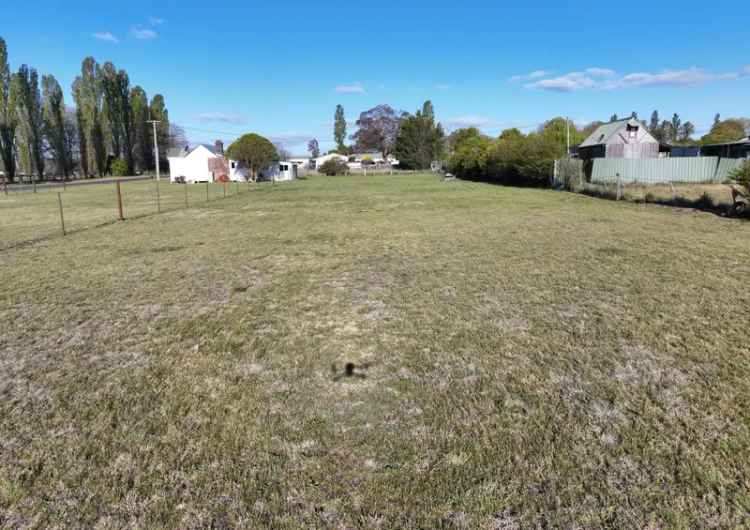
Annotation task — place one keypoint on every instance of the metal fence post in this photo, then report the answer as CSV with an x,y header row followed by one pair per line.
x,y
62,219
158,198
33,180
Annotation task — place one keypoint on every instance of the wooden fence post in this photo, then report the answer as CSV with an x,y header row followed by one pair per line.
x,y
120,216
62,219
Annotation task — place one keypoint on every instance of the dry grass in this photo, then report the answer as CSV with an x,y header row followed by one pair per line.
x,y
708,197
520,357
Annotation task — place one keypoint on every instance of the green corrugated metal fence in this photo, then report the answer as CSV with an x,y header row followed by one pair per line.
x,y
663,170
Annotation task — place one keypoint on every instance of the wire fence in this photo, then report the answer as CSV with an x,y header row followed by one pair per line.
x,y
29,216
702,182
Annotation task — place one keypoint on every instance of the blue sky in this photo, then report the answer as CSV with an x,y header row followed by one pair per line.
x,y
279,68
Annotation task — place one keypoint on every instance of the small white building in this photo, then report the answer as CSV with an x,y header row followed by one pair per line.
x,y
203,163
279,172
301,161
325,158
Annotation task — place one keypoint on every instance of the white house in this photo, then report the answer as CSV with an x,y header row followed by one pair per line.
x,y
203,163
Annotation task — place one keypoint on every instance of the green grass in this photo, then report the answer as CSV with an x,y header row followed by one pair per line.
x,y
524,358
26,217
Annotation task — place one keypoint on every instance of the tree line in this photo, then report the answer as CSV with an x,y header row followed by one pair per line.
x,y
526,159
416,140
107,130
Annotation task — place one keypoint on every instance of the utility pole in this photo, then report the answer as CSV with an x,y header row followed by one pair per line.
x,y
156,147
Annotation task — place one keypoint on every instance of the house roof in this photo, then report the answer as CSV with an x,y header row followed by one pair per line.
x,y
177,152
604,132
741,141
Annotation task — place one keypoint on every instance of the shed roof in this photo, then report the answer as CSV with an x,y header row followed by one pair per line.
x,y
741,141
604,132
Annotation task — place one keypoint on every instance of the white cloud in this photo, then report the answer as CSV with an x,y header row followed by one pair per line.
x,y
690,77
105,36
469,120
596,78
600,72
155,21
290,139
143,33
221,117
566,83
536,74
355,88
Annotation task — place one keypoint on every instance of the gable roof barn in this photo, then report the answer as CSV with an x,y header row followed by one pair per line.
x,y
626,138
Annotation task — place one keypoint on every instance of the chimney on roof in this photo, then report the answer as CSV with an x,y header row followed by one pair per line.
x,y
219,148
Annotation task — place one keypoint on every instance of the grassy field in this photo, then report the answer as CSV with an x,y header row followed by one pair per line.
x,y
518,358
27,217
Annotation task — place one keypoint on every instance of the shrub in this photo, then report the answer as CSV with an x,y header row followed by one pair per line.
x,y
333,167
119,167
741,175
513,158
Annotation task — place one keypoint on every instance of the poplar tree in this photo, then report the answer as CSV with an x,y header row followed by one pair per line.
x,y
141,129
53,115
126,119
7,117
339,127
89,99
28,107
158,111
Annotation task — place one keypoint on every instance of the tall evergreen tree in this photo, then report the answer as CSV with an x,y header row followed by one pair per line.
x,y
141,129
158,111
53,114
126,119
339,127
666,132
89,98
428,111
613,118
7,117
654,123
83,158
28,106
111,115
686,131
676,124
420,140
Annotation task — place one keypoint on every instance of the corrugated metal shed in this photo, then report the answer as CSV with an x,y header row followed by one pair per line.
x,y
604,132
662,170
